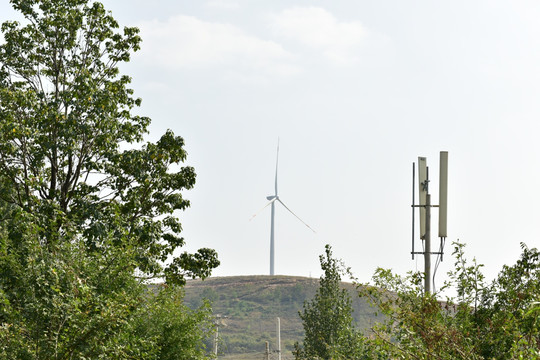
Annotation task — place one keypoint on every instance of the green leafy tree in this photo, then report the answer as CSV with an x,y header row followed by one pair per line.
x,y
176,331
484,320
498,320
65,111
327,319
84,203
509,312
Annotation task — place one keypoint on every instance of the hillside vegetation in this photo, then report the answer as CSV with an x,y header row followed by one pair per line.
x,y
249,306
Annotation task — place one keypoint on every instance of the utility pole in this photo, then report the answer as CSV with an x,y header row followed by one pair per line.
x,y
216,338
427,253
279,338
267,352
218,320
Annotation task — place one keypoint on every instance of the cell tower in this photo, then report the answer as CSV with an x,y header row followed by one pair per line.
x,y
424,207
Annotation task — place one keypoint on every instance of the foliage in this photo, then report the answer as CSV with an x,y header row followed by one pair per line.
x,y
497,320
63,304
500,320
65,111
84,204
176,331
327,319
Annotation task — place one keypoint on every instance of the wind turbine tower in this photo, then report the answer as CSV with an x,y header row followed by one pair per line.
x,y
272,199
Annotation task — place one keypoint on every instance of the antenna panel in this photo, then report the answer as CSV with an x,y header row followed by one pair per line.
x,y
443,192
422,193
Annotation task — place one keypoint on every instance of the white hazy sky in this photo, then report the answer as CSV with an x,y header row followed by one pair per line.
x,y
356,91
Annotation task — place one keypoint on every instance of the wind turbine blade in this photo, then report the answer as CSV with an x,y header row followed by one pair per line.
x,y
295,215
277,159
264,207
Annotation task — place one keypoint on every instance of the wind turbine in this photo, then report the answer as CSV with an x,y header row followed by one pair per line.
x,y
272,201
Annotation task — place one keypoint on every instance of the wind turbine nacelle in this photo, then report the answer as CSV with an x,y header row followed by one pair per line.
x,y
271,197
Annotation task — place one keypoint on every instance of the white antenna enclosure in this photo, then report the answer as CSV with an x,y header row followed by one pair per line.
x,y
443,193
422,193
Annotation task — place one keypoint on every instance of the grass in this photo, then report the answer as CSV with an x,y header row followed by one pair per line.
x,y
249,305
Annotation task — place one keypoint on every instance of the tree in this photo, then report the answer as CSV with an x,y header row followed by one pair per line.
x,y
327,319
177,332
484,320
497,320
65,112
84,202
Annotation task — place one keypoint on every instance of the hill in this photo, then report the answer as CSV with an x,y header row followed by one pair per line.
x,y
249,306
